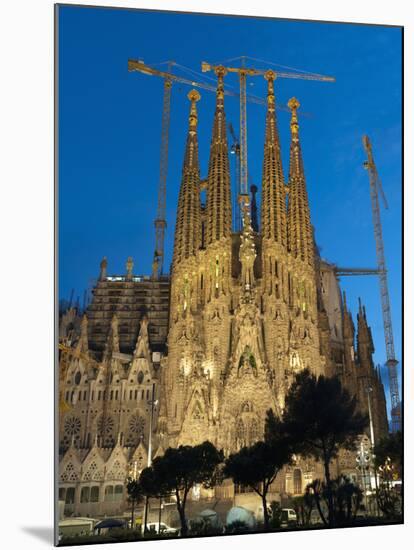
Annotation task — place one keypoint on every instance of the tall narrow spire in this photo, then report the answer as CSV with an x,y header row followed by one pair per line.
x,y
273,187
300,238
348,324
188,223
218,186
364,337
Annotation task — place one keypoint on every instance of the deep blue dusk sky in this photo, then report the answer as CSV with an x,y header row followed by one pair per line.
x,y
110,121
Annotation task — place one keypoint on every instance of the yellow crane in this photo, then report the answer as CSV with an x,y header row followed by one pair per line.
x,y
375,187
243,73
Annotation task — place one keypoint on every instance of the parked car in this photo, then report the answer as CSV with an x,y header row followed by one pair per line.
x,y
160,528
288,518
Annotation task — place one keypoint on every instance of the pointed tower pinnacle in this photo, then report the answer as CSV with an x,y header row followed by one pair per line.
x,y
348,324
273,187
82,344
364,338
188,224
300,237
218,186
103,267
247,252
129,267
112,343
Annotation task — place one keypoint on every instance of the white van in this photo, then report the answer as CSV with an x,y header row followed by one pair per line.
x,y
288,518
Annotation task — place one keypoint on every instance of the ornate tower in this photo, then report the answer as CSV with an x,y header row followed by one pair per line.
x,y
300,236
368,378
185,288
218,186
304,339
274,299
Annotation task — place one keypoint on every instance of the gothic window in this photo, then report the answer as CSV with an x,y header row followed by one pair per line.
x,y
69,473
109,493
116,472
92,473
78,377
297,481
106,426
197,412
247,407
85,494
71,429
254,431
70,495
94,494
140,377
240,433
119,489
136,427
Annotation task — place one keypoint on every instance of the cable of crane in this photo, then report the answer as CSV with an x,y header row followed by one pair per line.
x,y
284,66
198,75
162,63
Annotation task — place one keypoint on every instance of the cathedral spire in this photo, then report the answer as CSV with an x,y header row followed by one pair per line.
x,y
103,267
300,238
112,343
348,324
218,183
364,337
82,344
273,187
188,224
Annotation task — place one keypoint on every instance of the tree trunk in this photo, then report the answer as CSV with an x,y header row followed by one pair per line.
x,y
265,511
184,528
132,514
331,515
318,506
181,513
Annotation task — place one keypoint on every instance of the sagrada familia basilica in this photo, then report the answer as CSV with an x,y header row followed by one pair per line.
x,y
203,353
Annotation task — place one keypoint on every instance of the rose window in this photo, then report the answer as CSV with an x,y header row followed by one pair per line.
x,y
72,426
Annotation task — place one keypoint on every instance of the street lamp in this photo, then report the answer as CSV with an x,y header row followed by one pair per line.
x,y
153,402
363,460
369,390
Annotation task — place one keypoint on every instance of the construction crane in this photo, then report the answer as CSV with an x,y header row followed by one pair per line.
x,y
243,72
170,78
235,150
350,271
375,187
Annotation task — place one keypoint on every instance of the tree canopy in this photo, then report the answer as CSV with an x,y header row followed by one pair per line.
x,y
179,470
257,467
319,418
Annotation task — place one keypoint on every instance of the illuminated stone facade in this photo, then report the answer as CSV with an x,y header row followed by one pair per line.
x,y
212,348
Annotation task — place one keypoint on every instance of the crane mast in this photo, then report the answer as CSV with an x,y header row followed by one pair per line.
x,y
160,221
375,186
